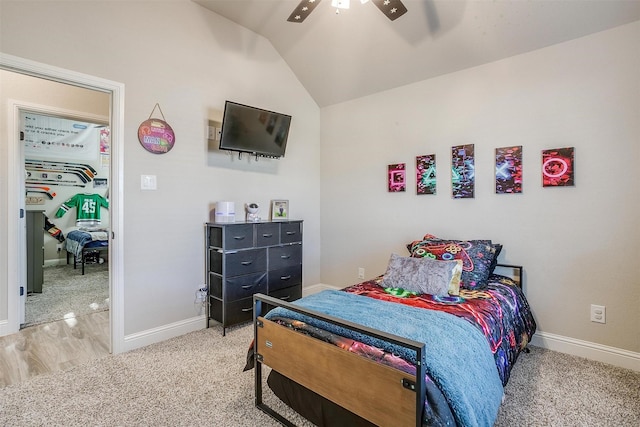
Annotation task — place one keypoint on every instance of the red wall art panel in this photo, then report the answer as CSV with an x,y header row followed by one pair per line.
x,y
396,178
558,167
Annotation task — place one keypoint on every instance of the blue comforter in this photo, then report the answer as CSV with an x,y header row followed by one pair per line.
x,y
79,239
458,356
76,240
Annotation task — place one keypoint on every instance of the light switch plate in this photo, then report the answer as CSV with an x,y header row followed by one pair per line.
x,y
213,130
148,182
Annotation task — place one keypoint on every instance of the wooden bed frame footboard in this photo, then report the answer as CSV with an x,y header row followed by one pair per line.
x,y
351,381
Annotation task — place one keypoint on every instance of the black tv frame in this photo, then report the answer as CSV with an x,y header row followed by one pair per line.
x,y
270,118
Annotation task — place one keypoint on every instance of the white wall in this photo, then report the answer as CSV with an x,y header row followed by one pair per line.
x,y
190,61
578,245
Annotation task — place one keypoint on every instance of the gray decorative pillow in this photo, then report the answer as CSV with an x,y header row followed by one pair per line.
x,y
423,275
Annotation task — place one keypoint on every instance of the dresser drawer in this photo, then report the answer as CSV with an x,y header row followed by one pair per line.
x,y
291,232
245,262
235,312
267,234
215,285
285,256
238,237
231,236
289,294
285,277
238,262
238,287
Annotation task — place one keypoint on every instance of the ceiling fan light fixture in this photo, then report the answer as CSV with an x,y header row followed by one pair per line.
x,y
392,9
340,4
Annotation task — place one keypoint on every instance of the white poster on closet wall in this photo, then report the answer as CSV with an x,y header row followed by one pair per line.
x,y
48,137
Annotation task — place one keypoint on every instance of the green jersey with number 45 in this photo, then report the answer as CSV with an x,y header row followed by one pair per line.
x,y
87,206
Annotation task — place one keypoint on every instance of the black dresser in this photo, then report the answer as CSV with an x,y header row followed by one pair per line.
x,y
244,258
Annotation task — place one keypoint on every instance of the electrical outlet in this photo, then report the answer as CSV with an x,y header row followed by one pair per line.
x,y
598,313
360,273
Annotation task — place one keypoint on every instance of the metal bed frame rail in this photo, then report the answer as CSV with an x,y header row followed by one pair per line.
x,y
416,384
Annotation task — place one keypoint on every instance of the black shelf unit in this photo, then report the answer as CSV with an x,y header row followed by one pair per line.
x,y
245,258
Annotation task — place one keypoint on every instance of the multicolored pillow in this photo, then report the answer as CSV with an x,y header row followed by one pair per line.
x,y
423,275
498,248
477,257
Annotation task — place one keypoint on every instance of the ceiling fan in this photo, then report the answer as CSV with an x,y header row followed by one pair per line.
x,y
392,9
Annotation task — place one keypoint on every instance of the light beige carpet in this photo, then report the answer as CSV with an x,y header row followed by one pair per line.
x,y
66,292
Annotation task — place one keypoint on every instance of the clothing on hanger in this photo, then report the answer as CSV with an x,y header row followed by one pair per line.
x,y
87,208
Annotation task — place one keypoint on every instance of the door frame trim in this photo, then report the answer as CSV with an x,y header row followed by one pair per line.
x,y
116,119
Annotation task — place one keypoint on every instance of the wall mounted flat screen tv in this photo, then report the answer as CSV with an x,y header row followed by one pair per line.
x,y
253,130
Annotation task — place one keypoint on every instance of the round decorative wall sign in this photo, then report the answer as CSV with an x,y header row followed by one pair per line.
x,y
155,135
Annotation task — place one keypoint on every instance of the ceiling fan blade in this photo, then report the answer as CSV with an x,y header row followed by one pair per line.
x,y
393,9
303,10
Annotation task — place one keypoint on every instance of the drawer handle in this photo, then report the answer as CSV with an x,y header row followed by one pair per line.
x,y
239,237
285,277
285,256
246,262
289,233
245,310
247,286
285,298
267,235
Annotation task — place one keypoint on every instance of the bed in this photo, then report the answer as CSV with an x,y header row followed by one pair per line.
x,y
80,243
374,354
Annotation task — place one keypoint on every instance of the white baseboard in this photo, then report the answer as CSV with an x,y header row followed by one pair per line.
x,y
162,333
4,328
589,350
54,262
314,289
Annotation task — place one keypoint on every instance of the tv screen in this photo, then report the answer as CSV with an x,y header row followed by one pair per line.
x,y
253,130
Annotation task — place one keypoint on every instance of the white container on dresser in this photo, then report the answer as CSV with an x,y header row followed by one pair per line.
x,y
244,258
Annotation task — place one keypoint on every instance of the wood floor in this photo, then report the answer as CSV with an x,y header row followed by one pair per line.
x,y
54,346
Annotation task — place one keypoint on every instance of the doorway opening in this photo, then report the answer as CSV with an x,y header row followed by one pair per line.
x,y
13,285
66,159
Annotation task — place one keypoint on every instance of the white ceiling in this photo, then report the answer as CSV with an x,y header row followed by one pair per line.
x,y
338,57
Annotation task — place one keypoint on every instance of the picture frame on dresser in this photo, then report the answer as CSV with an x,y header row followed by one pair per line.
x,y
279,210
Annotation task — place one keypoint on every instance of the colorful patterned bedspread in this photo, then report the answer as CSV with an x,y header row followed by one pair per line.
x,y
501,312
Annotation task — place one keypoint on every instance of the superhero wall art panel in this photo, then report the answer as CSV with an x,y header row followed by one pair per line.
x,y
462,171
558,167
426,174
509,170
396,177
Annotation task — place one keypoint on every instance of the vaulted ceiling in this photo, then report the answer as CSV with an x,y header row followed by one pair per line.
x,y
358,52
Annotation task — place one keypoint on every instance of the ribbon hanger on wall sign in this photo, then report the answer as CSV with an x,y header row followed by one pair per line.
x,y
155,135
